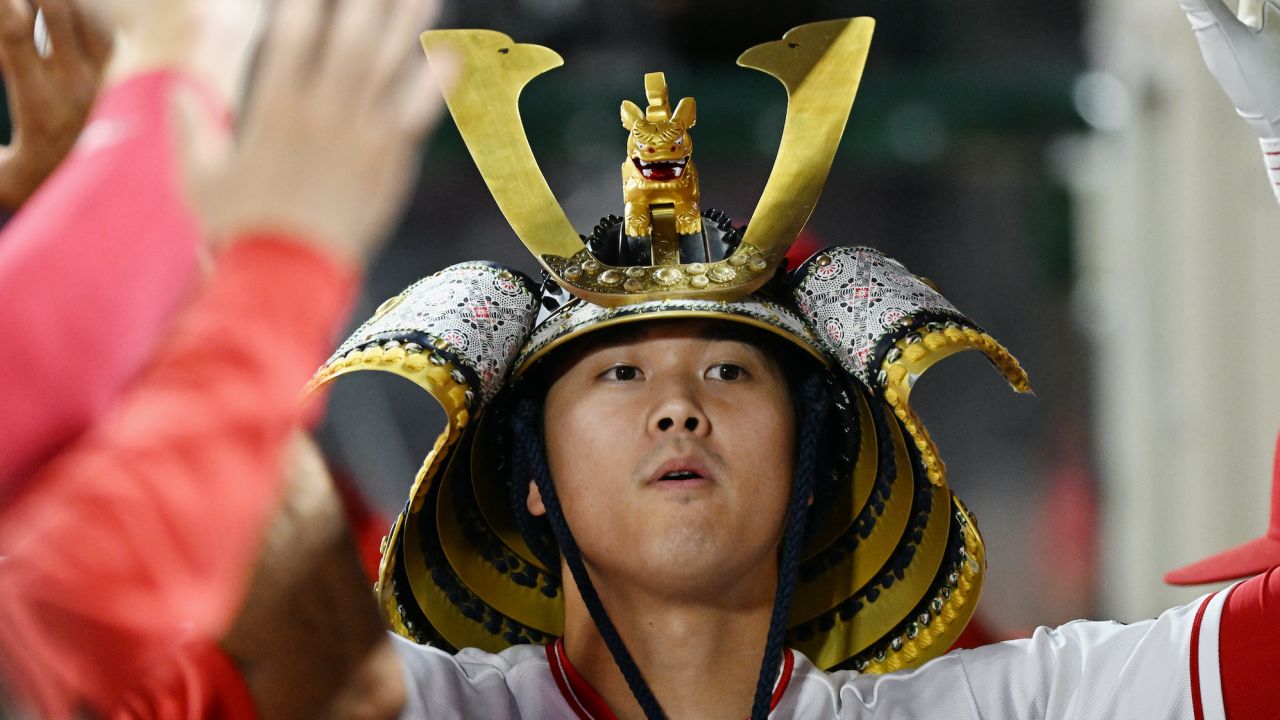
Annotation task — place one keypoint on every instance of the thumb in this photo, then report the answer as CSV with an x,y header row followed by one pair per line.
x,y
1250,13
1205,14
202,146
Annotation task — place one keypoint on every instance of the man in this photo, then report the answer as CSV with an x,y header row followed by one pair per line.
x,y
667,500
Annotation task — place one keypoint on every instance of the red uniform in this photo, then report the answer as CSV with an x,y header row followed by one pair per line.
x,y
135,541
142,533
91,272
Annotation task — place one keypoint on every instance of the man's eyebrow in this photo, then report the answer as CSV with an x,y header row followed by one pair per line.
x,y
719,333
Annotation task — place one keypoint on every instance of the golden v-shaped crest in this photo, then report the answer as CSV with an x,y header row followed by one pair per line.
x,y
820,65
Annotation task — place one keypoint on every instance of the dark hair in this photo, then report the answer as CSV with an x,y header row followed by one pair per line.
x,y
810,401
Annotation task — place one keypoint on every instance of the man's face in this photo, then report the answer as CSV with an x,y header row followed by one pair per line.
x,y
672,453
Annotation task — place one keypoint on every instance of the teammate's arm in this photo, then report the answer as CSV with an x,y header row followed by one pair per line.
x,y
94,266
143,524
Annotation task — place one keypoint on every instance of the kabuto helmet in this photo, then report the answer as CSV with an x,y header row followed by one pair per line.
x,y
891,565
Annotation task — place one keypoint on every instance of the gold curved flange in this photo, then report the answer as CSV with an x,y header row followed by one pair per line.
x,y
915,353
820,64
444,382
486,108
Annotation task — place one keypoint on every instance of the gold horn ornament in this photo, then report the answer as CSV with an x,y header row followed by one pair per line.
x,y
820,65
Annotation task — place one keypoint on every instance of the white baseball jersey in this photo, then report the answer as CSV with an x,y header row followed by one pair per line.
x,y
1153,670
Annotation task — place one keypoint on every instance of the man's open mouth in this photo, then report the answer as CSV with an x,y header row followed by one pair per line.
x,y
661,170
681,475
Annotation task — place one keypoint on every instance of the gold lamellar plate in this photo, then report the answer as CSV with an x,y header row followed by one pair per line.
x,y
485,563
872,534
869,615
842,508
819,64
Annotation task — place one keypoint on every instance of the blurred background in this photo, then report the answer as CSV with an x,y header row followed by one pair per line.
x,y
1067,173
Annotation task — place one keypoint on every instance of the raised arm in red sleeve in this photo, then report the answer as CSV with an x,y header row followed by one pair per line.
x,y
91,271
1249,647
142,533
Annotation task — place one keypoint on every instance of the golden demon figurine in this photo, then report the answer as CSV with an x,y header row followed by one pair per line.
x,y
659,169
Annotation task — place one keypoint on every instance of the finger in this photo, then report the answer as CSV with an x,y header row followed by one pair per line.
x,y
1206,13
395,56
355,37
20,63
1250,13
202,144
17,31
93,37
291,40
422,92
1268,16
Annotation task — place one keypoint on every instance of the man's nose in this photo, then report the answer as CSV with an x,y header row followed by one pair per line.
x,y
666,423
679,412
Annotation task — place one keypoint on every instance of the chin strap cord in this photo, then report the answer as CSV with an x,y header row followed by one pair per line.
x,y
530,455
813,408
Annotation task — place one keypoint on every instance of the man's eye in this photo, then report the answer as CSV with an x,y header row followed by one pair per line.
x,y
727,372
622,373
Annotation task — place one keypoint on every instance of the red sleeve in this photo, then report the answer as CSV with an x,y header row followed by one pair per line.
x,y
149,523
201,683
1249,647
91,272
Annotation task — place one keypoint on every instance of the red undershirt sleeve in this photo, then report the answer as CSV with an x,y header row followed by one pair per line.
x,y
92,270
201,683
140,536
1249,647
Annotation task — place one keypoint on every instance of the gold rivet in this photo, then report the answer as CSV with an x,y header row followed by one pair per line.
x,y
699,281
635,271
696,269
609,277
633,285
505,275
591,267
824,260
722,273
573,272
758,263
737,259
668,276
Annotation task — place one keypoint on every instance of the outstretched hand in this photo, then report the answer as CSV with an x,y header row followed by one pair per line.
x,y
1243,54
329,141
49,93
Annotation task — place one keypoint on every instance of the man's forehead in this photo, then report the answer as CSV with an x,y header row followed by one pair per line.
x,y
653,332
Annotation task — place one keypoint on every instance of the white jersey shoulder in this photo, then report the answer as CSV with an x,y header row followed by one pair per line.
x,y
1079,671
